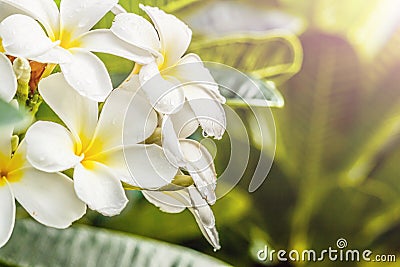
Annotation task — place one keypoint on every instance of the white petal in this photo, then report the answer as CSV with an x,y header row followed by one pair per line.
x,y
50,147
48,197
149,166
174,34
8,81
99,188
170,143
7,209
136,31
105,41
185,121
55,55
79,17
132,84
165,96
190,69
203,210
109,133
140,120
77,112
200,165
204,217
209,111
45,11
171,202
23,37
87,74
125,119
118,9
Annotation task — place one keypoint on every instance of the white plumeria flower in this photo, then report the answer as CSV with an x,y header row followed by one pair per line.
x,y
48,197
94,146
171,77
181,152
178,201
66,40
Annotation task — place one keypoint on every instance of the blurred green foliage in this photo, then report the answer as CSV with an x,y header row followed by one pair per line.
x,y
335,173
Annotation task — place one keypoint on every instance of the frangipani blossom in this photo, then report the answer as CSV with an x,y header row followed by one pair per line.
x,y
171,78
178,201
181,152
48,197
66,40
191,156
94,147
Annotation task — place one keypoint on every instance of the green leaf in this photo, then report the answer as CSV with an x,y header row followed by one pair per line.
x,y
9,114
35,245
240,89
275,55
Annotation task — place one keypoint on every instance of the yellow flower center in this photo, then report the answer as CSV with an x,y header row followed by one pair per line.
x,y
91,150
1,46
10,170
65,38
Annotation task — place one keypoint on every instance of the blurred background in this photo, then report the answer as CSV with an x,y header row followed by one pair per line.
x,y
336,167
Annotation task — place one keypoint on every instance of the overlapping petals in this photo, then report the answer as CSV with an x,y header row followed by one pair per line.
x,y
48,197
95,147
66,40
172,77
190,156
178,201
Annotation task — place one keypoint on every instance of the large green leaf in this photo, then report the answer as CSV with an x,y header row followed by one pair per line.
x,y
35,245
9,114
241,90
275,55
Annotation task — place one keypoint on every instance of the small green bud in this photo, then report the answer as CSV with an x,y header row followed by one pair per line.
x,y
14,142
22,70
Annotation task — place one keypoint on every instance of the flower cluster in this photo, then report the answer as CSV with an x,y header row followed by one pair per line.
x,y
135,136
